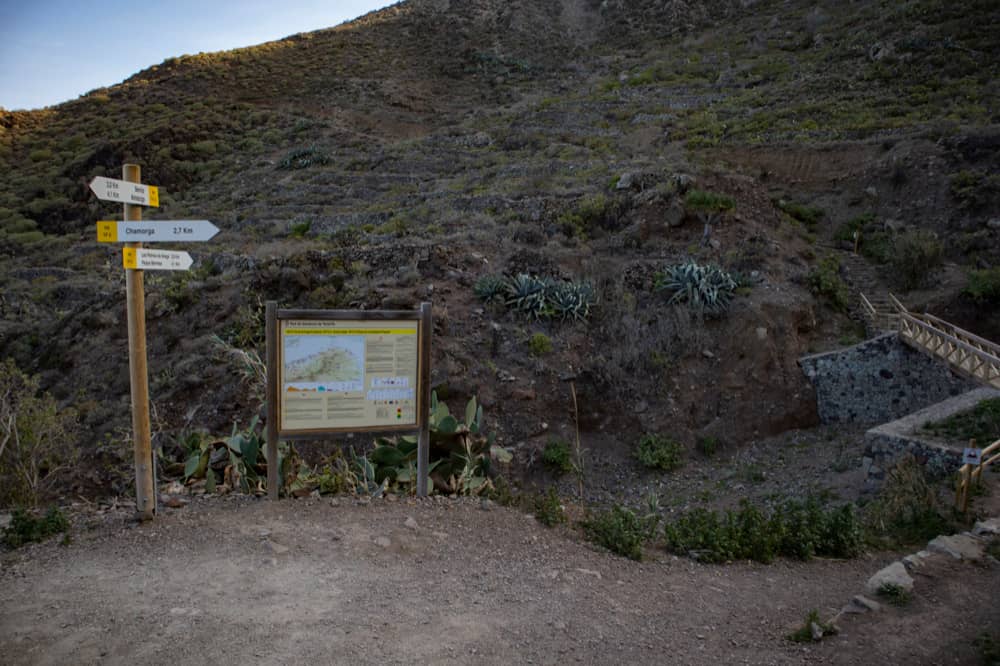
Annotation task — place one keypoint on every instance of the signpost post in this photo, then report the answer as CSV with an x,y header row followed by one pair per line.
x,y
136,306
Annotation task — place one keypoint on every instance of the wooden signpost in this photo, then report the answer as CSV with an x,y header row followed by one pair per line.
x,y
131,230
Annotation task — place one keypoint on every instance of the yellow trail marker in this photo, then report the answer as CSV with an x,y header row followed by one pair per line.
x,y
107,232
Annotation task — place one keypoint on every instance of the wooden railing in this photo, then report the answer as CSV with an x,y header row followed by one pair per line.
x,y
964,357
880,320
969,474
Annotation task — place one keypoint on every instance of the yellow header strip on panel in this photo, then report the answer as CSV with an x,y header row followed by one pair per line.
x,y
350,331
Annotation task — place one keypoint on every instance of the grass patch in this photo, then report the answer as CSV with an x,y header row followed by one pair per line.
x,y
981,423
659,452
807,634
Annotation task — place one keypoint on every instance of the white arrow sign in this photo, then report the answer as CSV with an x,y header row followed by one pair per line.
x,y
158,231
141,259
122,191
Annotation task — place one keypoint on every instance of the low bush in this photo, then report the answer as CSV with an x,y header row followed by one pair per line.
x,y
557,456
659,452
621,531
894,594
700,200
26,528
707,446
796,529
984,285
907,509
35,438
549,509
539,344
916,255
807,215
825,282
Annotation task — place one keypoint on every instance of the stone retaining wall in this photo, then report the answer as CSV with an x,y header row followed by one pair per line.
x,y
886,443
877,381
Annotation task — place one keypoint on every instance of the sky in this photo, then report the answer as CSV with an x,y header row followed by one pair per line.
x,y
52,51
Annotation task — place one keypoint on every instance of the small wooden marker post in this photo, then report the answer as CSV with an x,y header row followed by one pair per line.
x,y
145,502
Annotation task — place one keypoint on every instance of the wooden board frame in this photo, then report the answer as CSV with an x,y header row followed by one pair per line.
x,y
422,316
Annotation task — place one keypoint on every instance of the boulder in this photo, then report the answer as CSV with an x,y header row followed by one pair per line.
x,y
894,574
958,546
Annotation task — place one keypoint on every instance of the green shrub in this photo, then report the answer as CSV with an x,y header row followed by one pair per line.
x,y
984,285
659,452
300,229
915,256
557,456
549,509
795,529
989,649
700,200
621,531
303,158
895,594
825,282
539,344
974,189
26,528
807,215
707,446
37,446
907,509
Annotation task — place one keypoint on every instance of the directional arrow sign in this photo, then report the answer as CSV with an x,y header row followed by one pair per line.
x,y
122,191
155,260
121,231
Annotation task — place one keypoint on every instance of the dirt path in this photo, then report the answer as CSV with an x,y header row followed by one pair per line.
x,y
228,581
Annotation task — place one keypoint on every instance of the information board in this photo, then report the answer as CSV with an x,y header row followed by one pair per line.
x,y
347,374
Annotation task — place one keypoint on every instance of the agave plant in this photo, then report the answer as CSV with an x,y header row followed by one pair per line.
x,y
490,288
706,288
526,293
570,299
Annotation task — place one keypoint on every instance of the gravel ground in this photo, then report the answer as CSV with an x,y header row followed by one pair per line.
x,y
236,580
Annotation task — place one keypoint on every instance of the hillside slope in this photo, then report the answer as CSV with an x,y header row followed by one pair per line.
x,y
405,155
